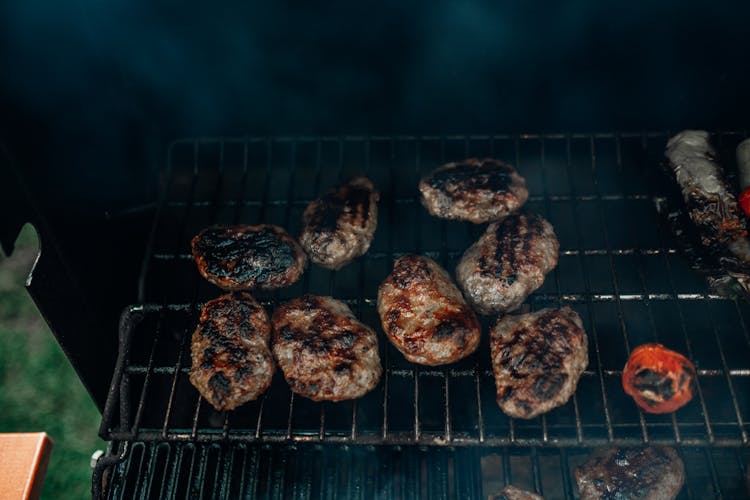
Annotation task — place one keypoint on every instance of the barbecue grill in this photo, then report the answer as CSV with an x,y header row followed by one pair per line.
x,y
617,268
115,250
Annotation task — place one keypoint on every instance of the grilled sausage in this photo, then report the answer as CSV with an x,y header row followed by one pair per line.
x,y
647,473
323,350
339,227
507,263
231,362
474,190
424,314
247,257
537,359
711,206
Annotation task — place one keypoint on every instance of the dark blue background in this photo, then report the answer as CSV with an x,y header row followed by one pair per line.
x,y
430,66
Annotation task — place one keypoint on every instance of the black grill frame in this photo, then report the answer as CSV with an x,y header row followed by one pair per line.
x,y
129,408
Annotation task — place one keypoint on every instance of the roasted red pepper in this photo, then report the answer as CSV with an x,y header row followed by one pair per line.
x,y
658,379
745,201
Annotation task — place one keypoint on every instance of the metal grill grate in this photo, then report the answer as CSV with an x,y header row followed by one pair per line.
x,y
617,268
170,470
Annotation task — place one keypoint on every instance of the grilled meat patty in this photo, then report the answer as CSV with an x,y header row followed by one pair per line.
x,y
246,257
339,226
537,359
424,314
323,350
507,263
474,190
510,492
647,473
231,360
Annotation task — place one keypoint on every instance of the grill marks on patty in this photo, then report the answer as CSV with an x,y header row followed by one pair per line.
x,y
474,190
231,362
339,226
642,473
508,262
537,359
247,257
424,314
513,247
323,350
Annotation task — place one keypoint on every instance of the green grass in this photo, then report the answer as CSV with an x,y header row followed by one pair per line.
x,y
39,390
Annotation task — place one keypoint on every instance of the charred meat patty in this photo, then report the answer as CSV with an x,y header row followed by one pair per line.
x,y
646,473
474,190
424,314
339,226
231,360
507,263
537,359
323,350
247,257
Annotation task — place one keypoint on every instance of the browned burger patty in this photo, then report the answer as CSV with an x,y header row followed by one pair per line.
x,y
424,314
537,359
650,473
474,190
510,492
231,360
247,257
323,350
339,227
507,263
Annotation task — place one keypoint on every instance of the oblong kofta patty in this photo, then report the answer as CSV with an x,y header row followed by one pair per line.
x,y
231,362
324,352
424,314
248,257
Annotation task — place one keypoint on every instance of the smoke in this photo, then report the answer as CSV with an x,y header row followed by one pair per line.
x,y
202,68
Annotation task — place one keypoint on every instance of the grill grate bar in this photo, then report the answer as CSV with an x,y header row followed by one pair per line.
x,y
398,201
712,469
261,216
649,309
436,439
360,303
536,473
287,217
566,474
409,373
417,249
448,137
558,289
743,324
730,384
183,342
456,253
540,297
612,273
587,285
445,264
147,379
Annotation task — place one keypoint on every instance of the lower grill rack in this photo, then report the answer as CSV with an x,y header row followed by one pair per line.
x,y
231,471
